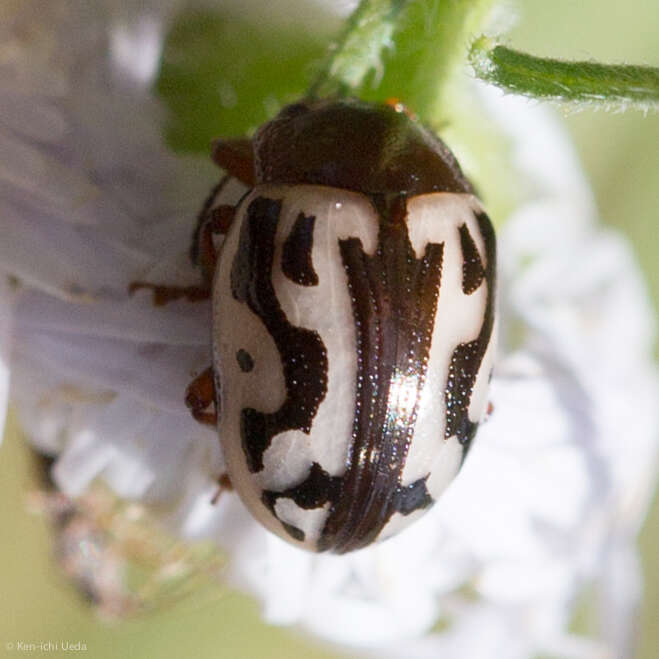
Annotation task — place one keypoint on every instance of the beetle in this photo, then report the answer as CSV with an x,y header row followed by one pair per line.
x,y
353,331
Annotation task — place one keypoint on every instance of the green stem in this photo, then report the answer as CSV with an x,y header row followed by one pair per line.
x,y
612,86
404,49
428,55
358,51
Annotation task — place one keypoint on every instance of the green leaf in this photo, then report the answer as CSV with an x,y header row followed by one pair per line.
x,y
224,76
611,86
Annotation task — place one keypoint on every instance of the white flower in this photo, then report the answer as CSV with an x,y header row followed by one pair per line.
x,y
556,486
5,335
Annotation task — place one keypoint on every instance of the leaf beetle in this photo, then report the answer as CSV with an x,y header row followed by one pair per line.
x,y
353,332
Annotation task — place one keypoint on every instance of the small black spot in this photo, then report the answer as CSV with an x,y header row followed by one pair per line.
x,y
244,360
293,531
317,489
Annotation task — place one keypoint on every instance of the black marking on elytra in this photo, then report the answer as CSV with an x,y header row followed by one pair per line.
x,y
296,261
394,300
317,489
245,361
413,497
303,354
467,357
293,531
472,266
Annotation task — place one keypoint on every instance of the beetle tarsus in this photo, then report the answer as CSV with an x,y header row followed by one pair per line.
x,y
163,294
210,221
200,395
223,485
488,412
217,221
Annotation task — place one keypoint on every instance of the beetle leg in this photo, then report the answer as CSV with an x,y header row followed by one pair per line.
x,y
200,395
205,216
223,485
236,158
203,253
164,294
210,221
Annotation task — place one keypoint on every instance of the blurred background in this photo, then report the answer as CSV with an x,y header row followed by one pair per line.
x,y
620,154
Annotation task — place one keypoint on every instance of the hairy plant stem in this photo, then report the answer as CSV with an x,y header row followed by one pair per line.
x,y
609,86
407,49
358,50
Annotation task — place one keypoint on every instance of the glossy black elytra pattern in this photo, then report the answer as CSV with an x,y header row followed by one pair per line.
x,y
472,266
316,490
303,354
394,297
467,357
296,261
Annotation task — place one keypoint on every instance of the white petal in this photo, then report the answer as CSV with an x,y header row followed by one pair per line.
x,y
6,317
